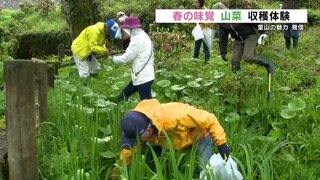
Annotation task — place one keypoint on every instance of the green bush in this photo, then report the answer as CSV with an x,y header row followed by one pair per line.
x,y
313,18
46,6
27,6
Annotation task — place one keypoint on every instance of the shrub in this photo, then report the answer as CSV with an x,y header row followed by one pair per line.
x,y
169,45
27,6
46,6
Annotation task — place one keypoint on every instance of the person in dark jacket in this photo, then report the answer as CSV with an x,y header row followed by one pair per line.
x,y
292,31
246,36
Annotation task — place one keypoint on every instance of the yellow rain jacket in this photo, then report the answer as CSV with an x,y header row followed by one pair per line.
x,y
183,123
91,40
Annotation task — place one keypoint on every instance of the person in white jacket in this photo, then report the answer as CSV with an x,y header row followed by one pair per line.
x,y
140,54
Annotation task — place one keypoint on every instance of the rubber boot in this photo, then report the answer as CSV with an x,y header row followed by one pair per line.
x,y
235,67
262,62
288,42
295,43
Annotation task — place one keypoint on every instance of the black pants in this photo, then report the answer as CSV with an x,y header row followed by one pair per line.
x,y
143,89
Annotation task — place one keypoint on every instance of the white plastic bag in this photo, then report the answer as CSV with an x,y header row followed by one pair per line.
x,y
197,32
208,34
118,34
219,169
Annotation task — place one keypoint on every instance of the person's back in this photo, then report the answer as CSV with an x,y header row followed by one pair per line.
x,y
87,41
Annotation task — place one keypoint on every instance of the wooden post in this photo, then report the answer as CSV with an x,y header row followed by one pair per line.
x,y
61,51
41,90
23,80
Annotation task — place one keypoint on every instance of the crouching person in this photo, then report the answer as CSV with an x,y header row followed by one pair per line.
x,y
90,42
140,55
183,123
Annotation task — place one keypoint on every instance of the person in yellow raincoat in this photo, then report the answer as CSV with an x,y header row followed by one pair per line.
x,y
92,41
183,123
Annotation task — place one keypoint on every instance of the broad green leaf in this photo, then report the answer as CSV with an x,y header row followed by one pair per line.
x,y
177,87
297,104
218,75
87,92
219,109
318,61
108,154
232,117
207,83
288,113
163,83
287,157
198,80
106,130
284,88
231,100
166,74
278,54
275,133
108,68
193,84
101,103
186,99
188,76
118,85
252,111
169,93
212,91
126,74
88,110
178,75
187,91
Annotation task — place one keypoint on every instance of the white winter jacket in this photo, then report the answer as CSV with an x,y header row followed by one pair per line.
x,y
138,52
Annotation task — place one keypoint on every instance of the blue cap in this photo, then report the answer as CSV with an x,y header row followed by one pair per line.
x,y
112,26
134,123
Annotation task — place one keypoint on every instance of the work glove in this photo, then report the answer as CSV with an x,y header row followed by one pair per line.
x,y
223,56
109,51
224,151
261,38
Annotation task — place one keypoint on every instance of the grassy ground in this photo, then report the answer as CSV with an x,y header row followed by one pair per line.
x,y
275,140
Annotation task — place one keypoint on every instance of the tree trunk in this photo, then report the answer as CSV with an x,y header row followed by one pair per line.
x,y
80,14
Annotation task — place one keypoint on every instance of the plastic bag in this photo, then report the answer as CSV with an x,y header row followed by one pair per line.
x,y
197,32
220,169
208,34
118,34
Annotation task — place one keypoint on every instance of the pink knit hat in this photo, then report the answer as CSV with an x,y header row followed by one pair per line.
x,y
131,22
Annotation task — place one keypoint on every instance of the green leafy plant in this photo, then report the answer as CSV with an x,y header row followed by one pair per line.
x,y
27,6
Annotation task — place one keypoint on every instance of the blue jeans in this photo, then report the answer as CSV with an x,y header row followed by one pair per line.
x,y
206,50
289,33
204,150
143,89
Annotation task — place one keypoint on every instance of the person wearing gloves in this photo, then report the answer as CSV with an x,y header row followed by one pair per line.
x,y
292,31
183,123
244,46
92,41
204,27
140,54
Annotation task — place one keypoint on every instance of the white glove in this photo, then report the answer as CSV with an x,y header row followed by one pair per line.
x,y
261,38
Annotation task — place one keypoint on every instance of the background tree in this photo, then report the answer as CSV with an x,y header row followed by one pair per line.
x,y
80,14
